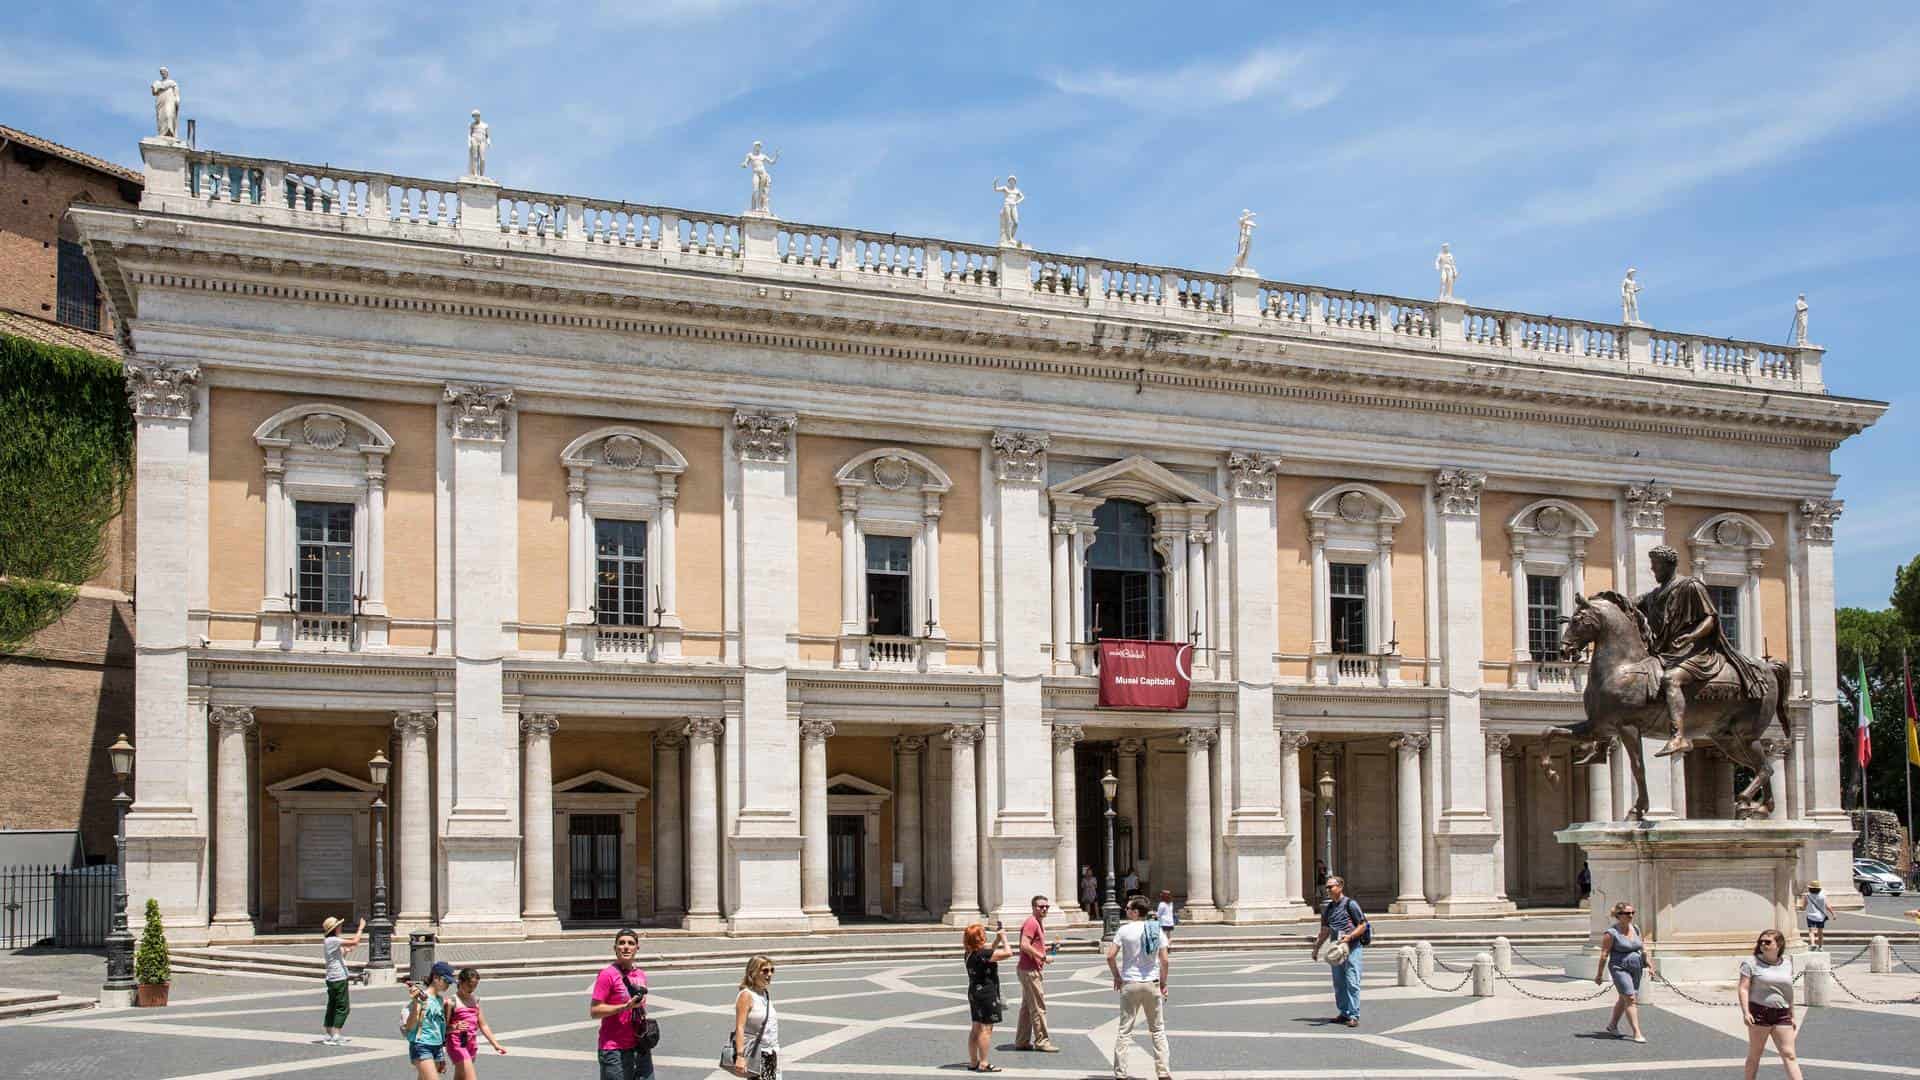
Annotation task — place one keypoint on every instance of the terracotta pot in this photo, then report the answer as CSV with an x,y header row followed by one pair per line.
x,y
150,994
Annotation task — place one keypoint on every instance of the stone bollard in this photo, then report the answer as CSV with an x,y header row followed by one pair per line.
x,y
1819,977
1880,956
1423,958
1406,966
1482,975
1503,956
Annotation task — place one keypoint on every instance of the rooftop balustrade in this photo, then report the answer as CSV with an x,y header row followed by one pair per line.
x,y
484,215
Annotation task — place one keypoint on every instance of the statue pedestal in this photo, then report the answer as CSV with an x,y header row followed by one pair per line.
x,y
1702,889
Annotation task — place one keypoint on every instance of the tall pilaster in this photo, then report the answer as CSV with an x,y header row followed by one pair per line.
x,y
1199,743
1465,837
907,750
814,733
963,828
1832,856
1066,876
1410,832
669,828
166,836
413,840
536,841
231,839
703,825
1497,745
1254,835
766,838
1020,806
1290,745
1127,798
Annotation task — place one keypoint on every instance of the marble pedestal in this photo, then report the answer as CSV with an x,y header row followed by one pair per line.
x,y
1703,889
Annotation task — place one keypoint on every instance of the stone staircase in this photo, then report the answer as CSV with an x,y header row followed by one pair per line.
x,y
21,1004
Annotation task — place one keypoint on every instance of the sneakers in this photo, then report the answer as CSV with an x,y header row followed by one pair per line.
x,y
1046,1048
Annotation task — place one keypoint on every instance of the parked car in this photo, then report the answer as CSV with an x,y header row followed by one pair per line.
x,y
1872,876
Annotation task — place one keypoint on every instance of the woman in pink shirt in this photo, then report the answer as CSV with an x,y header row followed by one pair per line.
x,y
619,1003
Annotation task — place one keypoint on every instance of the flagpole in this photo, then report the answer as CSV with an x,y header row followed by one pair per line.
x,y
1862,732
1906,756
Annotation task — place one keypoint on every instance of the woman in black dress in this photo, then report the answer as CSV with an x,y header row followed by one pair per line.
x,y
983,992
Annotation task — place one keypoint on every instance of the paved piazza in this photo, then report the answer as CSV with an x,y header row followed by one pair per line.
x,y
1230,1016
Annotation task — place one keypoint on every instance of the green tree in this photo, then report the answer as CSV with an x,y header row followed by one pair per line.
x,y
1906,595
1877,638
152,964
66,452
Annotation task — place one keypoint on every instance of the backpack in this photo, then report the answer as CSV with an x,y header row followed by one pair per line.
x,y
1354,913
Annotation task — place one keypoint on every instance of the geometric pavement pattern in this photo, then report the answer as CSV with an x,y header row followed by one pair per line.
x,y
1228,1017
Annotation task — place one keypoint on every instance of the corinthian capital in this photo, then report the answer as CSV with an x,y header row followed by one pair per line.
x,y
1065,735
479,412
414,722
231,717
966,734
1408,742
1250,475
1457,491
1016,456
159,391
1819,516
705,728
1647,505
764,436
1201,739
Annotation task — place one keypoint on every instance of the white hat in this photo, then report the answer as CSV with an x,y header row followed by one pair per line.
x,y
331,922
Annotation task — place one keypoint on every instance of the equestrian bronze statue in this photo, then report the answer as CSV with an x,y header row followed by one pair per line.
x,y
1662,666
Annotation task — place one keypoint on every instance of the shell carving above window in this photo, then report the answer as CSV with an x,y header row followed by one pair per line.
x,y
624,452
324,431
893,473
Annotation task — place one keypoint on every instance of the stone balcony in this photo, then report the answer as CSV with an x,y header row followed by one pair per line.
x,y
484,216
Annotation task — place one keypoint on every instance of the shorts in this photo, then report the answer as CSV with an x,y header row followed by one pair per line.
x,y
337,1007
1816,924
1771,1016
434,1052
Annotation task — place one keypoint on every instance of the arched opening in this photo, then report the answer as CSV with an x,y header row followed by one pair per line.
x,y
1125,575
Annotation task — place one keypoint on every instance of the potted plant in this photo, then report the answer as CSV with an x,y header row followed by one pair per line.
x,y
152,967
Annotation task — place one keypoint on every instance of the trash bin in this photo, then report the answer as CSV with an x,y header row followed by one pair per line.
x,y
419,956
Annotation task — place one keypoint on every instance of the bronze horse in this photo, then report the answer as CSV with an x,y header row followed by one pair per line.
x,y
1623,700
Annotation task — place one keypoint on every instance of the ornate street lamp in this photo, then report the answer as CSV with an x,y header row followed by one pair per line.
x,y
119,984
1110,907
380,927
1325,784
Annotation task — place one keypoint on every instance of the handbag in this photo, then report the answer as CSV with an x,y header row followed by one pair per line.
x,y
728,1055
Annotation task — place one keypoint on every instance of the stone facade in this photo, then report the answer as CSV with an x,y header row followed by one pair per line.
x,y
716,572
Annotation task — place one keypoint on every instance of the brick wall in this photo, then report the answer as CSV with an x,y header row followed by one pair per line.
x,y
35,191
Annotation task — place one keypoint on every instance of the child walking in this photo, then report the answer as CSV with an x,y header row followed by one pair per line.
x,y
465,1026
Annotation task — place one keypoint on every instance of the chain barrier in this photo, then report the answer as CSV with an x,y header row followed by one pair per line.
x,y
1856,956
1662,980
1552,997
1444,966
1849,991
1454,989
1525,959
1904,962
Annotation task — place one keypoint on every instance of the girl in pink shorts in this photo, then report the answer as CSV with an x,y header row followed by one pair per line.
x,y
465,1025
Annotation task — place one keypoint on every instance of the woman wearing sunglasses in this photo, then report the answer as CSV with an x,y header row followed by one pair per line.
x,y
1766,1003
756,1028
1624,956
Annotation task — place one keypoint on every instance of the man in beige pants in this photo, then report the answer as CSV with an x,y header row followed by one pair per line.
x,y
1031,1031
1138,958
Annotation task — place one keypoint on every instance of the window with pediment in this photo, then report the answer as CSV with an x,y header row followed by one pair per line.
x,y
890,506
1125,575
623,491
1350,534
1729,551
1547,565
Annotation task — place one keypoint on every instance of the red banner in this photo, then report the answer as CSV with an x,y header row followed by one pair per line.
x,y
1145,674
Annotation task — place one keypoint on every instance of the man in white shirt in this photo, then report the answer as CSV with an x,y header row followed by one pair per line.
x,y
1138,958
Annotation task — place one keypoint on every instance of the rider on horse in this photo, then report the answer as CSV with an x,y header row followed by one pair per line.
x,y
1685,633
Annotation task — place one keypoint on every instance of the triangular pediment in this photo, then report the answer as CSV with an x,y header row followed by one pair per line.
x,y
849,784
321,781
1138,478
600,782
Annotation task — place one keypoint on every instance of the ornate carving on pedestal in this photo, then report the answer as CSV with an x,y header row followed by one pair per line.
x,y
1647,505
909,744
415,722
1017,456
1819,516
764,436
1292,742
162,391
1065,735
814,729
965,734
231,717
1457,491
539,725
1199,738
479,412
1410,742
1250,475
705,728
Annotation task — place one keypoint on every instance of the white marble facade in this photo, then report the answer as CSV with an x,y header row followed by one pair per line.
x,y
1204,397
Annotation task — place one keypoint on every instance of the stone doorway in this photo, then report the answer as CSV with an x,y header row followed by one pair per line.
x,y
593,877
846,865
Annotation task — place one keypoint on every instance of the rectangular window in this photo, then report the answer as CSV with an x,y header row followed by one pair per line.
x,y
1543,616
325,557
890,586
620,554
1347,596
79,292
1726,601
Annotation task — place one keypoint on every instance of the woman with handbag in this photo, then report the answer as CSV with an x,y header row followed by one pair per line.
x,y
983,991
754,1049
1624,957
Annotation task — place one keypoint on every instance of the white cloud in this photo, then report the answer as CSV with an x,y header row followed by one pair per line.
x,y
1291,77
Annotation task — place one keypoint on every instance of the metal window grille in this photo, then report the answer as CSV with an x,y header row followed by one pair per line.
x,y
1347,600
1726,601
79,290
621,565
1543,616
890,586
325,557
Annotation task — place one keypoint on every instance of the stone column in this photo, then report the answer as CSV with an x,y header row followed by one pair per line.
x,y
930,539
669,576
231,834
1621,773
1199,743
907,828
1127,799
580,558
1291,743
1322,642
1466,838
1062,597
375,606
1676,769
1066,870
1197,596
279,582
669,839
1646,517
536,831
703,826
1600,787
1832,856
1517,574
963,827
1497,745
1776,751
413,846
1410,840
850,569
1385,632
814,733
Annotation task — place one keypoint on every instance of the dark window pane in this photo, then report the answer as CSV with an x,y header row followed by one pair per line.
x,y
79,292
323,557
620,572
1726,601
1347,606
1543,616
891,554
1124,574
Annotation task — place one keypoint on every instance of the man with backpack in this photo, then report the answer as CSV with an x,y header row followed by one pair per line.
x,y
1138,958
1343,921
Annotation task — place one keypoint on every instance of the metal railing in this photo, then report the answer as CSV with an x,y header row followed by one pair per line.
x,y
65,907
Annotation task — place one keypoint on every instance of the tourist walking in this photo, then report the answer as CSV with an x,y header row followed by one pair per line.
x,y
1766,1003
1138,956
1089,893
1624,957
1131,884
756,1028
619,1003
983,991
466,1025
1342,920
426,1022
1818,915
335,951
1030,1031
1164,913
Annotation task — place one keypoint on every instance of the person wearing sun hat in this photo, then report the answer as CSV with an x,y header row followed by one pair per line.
x,y
335,951
1818,913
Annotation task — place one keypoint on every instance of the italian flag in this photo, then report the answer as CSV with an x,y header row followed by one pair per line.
x,y
1863,726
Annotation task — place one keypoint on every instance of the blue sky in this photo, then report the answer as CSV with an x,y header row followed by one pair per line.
x,y
1735,153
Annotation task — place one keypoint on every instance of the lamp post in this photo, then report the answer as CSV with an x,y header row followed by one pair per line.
x,y
1110,907
118,988
1325,785
380,927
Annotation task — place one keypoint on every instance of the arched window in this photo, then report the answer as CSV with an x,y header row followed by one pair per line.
x,y
1729,551
890,560
622,493
1350,535
1125,575
1546,566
